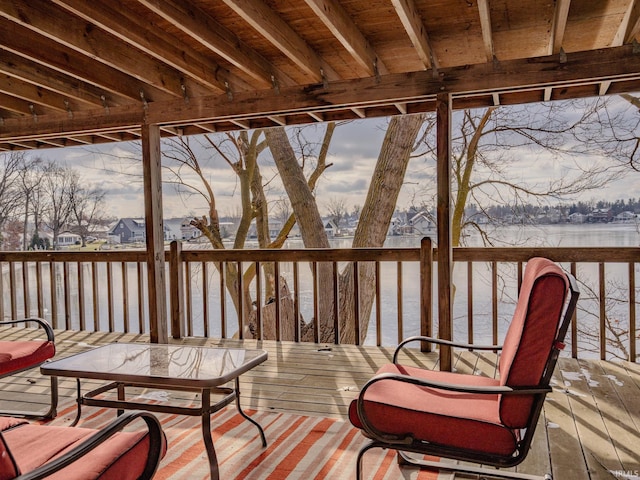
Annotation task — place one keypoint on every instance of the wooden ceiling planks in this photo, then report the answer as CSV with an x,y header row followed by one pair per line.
x,y
99,70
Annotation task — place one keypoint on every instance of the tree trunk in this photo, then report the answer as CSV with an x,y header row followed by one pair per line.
x,y
375,219
308,218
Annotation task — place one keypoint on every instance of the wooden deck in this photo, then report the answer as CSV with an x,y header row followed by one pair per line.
x,y
590,428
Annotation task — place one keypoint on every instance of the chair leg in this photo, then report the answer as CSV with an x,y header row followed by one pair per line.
x,y
48,414
363,450
404,459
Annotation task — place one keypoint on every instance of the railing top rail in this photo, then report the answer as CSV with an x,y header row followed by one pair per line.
x,y
460,254
557,254
304,255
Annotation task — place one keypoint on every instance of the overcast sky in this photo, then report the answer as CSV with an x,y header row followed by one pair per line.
x,y
353,153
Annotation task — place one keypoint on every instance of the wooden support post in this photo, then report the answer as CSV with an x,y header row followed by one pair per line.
x,y
445,250
151,167
176,289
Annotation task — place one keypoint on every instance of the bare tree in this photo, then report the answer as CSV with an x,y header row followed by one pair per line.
x,y
488,143
87,210
337,210
58,187
10,195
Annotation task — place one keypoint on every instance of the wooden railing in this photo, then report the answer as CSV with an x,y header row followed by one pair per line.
x,y
106,291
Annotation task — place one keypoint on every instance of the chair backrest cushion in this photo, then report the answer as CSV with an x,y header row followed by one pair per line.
x,y
530,337
22,354
8,469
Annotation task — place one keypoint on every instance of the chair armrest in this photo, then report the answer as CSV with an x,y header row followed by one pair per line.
x,y
376,434
155,446
439,341
40,321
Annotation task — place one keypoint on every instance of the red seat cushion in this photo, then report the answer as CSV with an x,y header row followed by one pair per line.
x,y
451,418
121,457
19,355
8,468
9,422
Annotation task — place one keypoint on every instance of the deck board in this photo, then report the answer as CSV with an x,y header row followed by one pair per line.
x,y
590,427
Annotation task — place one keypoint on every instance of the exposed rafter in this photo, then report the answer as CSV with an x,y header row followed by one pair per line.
x,y
487,32
210,33
120,22
413,24
560,16
626,24
45,19
280,34
336,19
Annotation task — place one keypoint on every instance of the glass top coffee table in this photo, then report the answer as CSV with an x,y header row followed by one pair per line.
x,y
206,370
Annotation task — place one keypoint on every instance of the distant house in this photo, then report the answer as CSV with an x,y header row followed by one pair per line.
x,y
625,217
421,223
331,228
599,215
577,217
67,239
128,230
173,229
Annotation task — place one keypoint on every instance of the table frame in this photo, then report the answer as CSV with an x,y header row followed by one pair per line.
x,y
204,410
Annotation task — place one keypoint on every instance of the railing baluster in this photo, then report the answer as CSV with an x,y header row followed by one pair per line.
x,y
469,302
81,316
25,289
223,302
316,329
494,301
240,301
125,296
632,312
259,329
400,328
96,296
336,304
205,299
189,299
67,295
54,299
574,323
13,290
378,306
296,301
276,283
603,311
140,282
110,297
356,300
2,291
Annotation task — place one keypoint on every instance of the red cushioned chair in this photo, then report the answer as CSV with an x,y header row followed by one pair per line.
x,y
20,355
468,417
31,452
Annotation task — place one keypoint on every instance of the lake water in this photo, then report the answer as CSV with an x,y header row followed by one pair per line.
x,y
566,235
614,235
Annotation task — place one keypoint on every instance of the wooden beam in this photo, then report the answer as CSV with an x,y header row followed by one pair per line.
x,y
415,28
485,24
128,27
211,34
44,18
340,24
41,50
633,27
152,174
278,32
443,207
625,26
560,16
509,76
15,66
36,95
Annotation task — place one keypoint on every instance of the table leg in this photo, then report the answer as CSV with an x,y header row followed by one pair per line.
x,y
206,434
264,439
79,404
